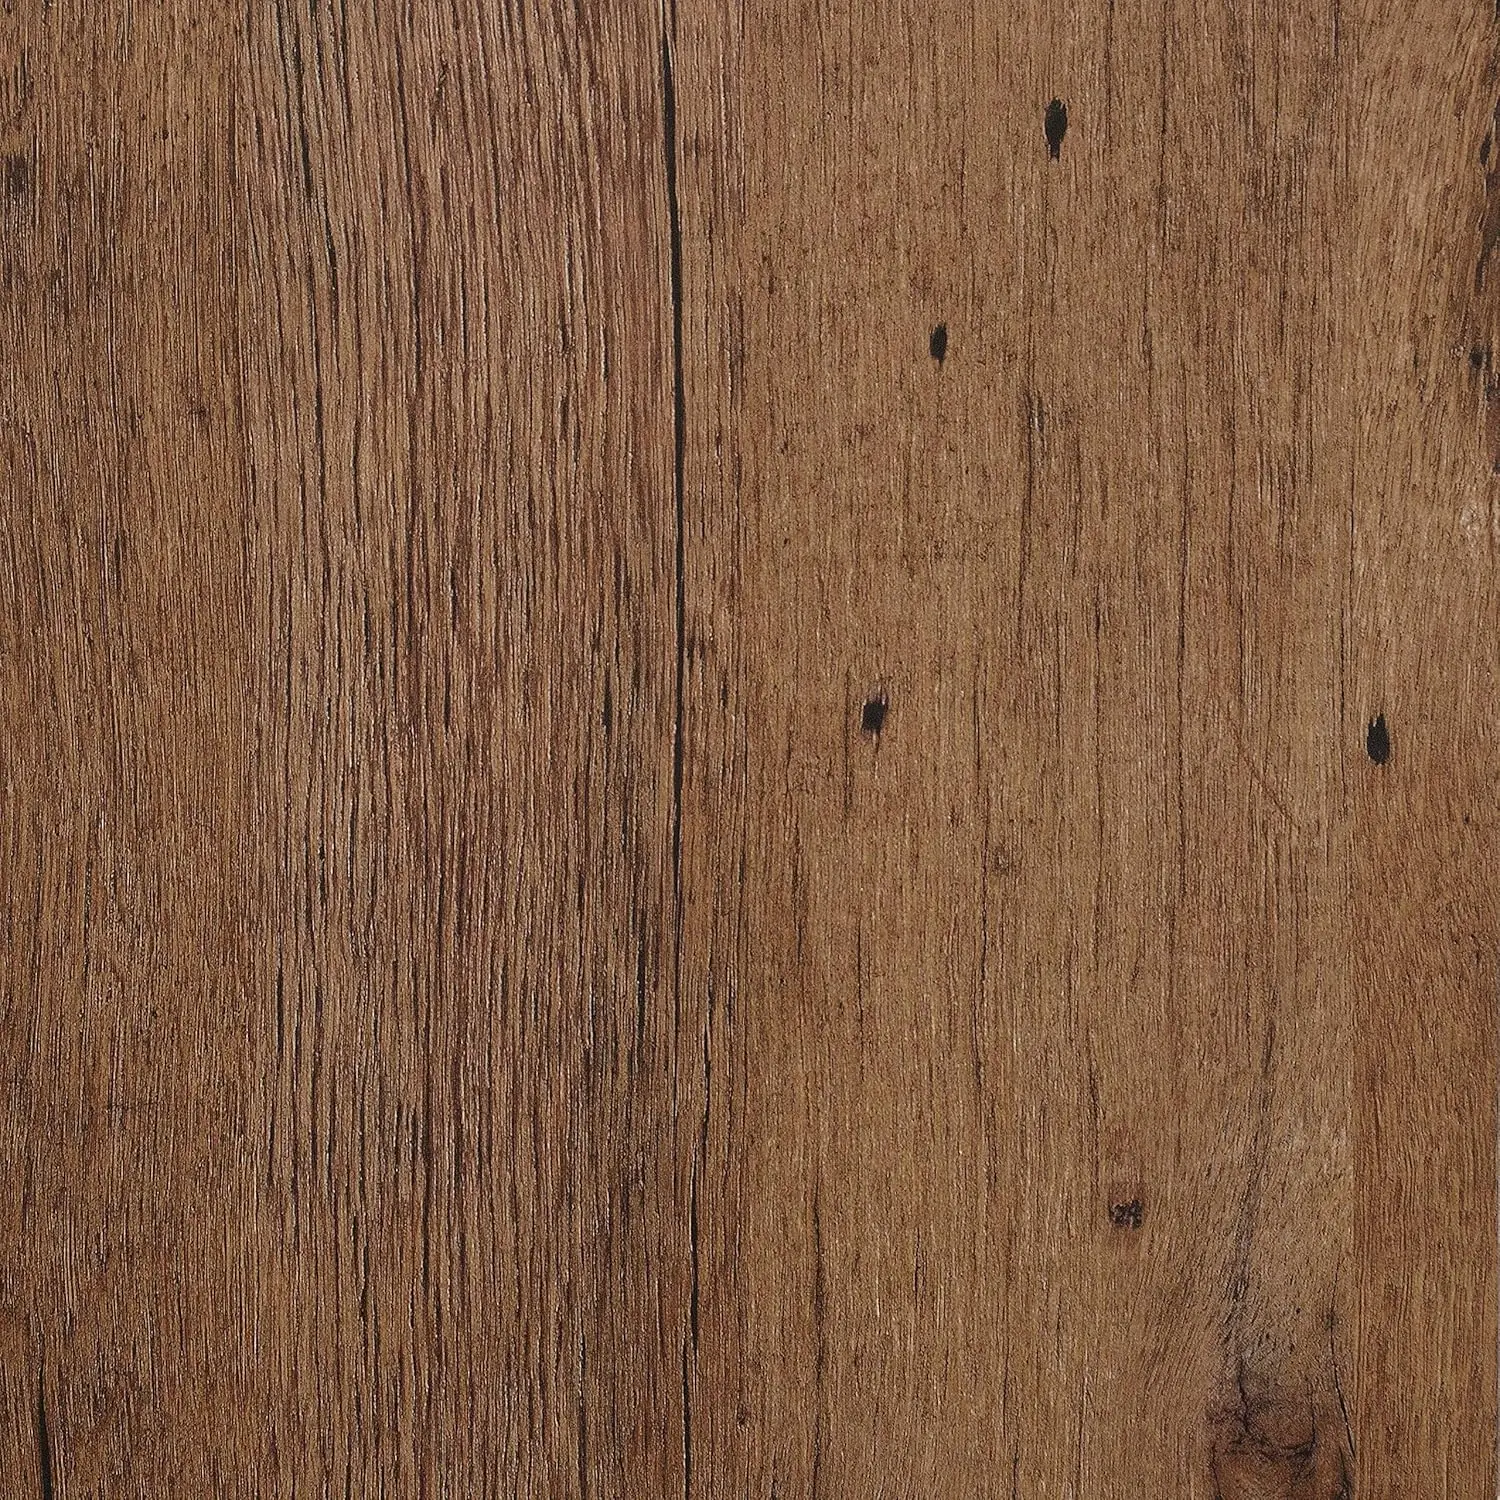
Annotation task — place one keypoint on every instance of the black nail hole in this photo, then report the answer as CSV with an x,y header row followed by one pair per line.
x,y
1378,740
17,175
1056,126
872,716
1478,357
938,344
1127,1215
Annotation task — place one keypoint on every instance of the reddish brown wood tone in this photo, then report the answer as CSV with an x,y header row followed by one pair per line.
x,y
749,750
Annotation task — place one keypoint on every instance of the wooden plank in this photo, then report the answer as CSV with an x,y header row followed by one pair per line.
x,y
749,749
339,878
1078,989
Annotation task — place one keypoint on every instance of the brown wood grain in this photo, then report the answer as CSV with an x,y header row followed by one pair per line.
x,y
749,749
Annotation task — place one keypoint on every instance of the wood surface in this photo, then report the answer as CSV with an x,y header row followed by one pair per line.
x,y
749,749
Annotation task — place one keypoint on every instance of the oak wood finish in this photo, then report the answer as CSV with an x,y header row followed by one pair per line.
x,y
748,749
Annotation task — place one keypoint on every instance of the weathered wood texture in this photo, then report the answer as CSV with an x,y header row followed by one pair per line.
x,y
749,749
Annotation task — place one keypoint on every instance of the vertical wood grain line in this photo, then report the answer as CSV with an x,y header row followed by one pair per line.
x,y
679,438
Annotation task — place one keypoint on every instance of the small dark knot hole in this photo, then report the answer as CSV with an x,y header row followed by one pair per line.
x,y
1378,740
872,716
1127,1215
1056,126
938,344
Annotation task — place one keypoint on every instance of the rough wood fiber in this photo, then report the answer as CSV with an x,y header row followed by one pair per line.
x,y
748,750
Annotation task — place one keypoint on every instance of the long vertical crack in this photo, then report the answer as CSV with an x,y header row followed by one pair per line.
x,y
679,426
43,1439
679,434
